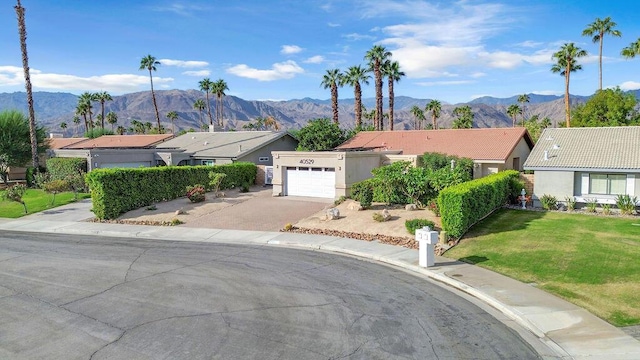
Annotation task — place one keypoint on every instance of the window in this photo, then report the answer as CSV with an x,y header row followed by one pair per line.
x,y
608,184
208,162
263,159
516,163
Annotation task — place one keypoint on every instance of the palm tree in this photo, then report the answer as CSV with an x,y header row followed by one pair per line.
x,y
598,29
102,97
522,99
513,110
76,120
172,115
418,117
86,99
149,63
391,69
112,119
121,130
206,85
465,117
567,63
545,123
200,106
63,126
436,109
632,50
355,77
331,80
22,32
219,88
271,122
376,56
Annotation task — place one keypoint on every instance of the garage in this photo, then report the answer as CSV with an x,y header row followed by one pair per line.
x,y
311,181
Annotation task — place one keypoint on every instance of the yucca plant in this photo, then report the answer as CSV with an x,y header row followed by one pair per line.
x,y
606,209
592,204
626,204
571,203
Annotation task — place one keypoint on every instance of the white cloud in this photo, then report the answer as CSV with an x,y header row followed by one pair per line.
x,y
529,44
630,85
478,75
477,96
284,70
330,24
197,73
180,9
183,63
290,49
547,92
357,37
318,59
439,83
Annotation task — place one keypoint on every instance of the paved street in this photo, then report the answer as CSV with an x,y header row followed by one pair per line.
x,y
81,297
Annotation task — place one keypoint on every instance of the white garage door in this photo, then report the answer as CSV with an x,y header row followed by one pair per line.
x,y
312,182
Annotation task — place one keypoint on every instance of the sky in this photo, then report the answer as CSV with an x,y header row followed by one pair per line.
x,y
453,51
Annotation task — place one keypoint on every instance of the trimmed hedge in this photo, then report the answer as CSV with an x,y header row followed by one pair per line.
x,y
463,205
60,168
116,191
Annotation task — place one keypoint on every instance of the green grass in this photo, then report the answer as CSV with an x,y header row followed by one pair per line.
x,y
36,200
591,261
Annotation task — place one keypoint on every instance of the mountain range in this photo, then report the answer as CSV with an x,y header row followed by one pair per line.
x,y
52,109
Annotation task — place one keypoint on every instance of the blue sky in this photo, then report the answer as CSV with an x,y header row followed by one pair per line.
x,y
453,51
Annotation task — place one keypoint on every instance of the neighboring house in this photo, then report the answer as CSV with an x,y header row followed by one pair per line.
x,y
586,163
331,174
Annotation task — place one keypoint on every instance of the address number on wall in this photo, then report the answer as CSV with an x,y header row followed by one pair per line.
x,y
306,161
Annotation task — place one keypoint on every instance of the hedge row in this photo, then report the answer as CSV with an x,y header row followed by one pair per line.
x,y
60,168
116,191
463,205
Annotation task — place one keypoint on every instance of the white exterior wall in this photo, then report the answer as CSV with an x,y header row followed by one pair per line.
x,y
556,183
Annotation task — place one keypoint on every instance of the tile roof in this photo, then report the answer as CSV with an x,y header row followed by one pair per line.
x,y
228,144
587,148
121,141
477,144
59,143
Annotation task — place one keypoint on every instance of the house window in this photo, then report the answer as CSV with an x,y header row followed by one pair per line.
x,y
263,159
208,162
516,163
608,184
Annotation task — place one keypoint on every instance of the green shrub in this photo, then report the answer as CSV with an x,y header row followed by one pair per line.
x,y
463,205
626,204
606,209
31,175
366,198
215,180
516,190
196,193
54,187
60,168
414,224
339,200
591,206
571,203
358,189
245,187
378,217
549,202
115,191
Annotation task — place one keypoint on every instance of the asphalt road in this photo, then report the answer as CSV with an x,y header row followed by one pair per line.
x,y
65,297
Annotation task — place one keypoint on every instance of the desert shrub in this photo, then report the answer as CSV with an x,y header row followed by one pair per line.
x,y
626,204
339,200
591,205
549,202
378,217
61,168
54,187
15,193
363,192
196,193
366,197
606,209
215,180
571,203
414,224
175,222
402,183
288,227
245,187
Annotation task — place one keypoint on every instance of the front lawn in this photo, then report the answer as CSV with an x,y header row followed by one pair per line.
x,y
591,261
36,200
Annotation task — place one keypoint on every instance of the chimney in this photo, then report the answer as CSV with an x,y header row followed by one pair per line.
x,y
546,155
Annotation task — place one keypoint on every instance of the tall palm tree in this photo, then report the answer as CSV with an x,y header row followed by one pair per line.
x,y
436,109
514,110
112,119
172,115
149,63
102,97
566,63
522,99
121,130
598,29
331,80
76,120
219,89
376,56
63,126
22,32
200,106
418,117
632,50
391,69
355,76
206,85
464,116
86,99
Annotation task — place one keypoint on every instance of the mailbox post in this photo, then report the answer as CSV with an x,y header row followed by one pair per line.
x,y
426,250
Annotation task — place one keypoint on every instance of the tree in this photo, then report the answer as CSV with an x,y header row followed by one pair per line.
x,y
121,130
200,106
320,134
436,108
33,129
84,108
391,69
271,123
608,107
464,117
597,30
418,117
15,144
376,56
63,126
331,80
632,50
355,77
16,193
149,63
112,119
102,97
513,111
566,63
206,85
76,121
219,88
523,99
172,115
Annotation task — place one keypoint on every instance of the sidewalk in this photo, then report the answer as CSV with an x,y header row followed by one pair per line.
x,y
569,331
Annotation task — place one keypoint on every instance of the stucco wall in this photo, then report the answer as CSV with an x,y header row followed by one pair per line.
x,y
556,183
285,143
521,151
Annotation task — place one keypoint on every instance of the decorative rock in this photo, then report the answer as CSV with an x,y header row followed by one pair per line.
x,y
385,214
354,206
410,207
332,214
179,212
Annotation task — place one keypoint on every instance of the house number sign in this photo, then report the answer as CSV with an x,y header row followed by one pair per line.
x,y
306,161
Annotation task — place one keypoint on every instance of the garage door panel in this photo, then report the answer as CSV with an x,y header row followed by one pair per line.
x,y
312,182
